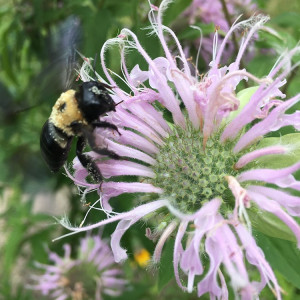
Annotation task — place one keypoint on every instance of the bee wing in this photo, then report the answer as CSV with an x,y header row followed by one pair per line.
x,y
69,43
94,141
98,143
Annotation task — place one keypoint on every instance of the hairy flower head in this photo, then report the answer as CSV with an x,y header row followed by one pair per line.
x,y
202,159
91,275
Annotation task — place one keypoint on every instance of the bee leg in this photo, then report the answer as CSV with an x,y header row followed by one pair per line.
x,y
87,162
103,124
105,151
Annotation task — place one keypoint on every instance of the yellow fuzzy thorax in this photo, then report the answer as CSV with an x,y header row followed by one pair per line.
x,y
65,111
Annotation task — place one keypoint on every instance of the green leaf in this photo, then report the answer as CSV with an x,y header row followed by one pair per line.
x,y
270,225
244,97
287,19
174,10
278,161
166,271
282,255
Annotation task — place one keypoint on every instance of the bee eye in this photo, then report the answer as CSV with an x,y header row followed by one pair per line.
x,y
95,90
62,107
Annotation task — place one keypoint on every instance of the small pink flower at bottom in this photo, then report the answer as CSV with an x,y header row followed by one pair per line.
x,y
203,167
91,275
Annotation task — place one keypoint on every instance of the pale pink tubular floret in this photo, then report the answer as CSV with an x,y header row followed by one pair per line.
x,y
113,189
130,152
119,252
165,91
137,141
223,248
165,235
182,79
289,202
274,121
225,82
190,261
247,158
233,260
123,118
261,98
280,177
256,257
114,168
273,207
178,250
210,284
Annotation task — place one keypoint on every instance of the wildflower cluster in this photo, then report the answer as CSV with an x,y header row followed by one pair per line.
x,y
90,276
207,167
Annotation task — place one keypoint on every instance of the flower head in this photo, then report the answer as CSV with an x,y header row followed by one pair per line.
x,y
92,274
207,166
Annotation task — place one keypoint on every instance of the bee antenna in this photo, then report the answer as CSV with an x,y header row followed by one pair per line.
x,y
94,66
119,103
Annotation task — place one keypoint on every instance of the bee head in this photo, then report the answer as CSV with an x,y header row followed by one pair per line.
x,y
94,100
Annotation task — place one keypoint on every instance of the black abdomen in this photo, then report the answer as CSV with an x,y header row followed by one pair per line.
x,y
55,146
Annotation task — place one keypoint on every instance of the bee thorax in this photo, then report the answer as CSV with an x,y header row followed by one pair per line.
x,y
65,112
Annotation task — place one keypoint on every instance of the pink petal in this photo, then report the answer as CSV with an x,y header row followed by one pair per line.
x,y
256,257
123,118
130,152
126,222
262,96
138,76
185,89
110,168
233,258
209,284
281,177
150,116
205,219
178,250
163,238
130,138
245,159
160,81
137,212
114,189
274,121
273,207
289,202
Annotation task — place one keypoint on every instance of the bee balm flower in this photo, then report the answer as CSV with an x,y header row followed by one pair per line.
x,y
92,274
207,167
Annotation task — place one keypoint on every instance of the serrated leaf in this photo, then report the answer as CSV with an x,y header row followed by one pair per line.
x,y
282,255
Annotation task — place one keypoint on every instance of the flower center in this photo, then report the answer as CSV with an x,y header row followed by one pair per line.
x,y
80,282
190,175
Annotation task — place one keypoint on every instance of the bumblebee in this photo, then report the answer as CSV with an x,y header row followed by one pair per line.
x,y
76,114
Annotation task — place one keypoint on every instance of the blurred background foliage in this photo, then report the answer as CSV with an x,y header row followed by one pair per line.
x,y
38,38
